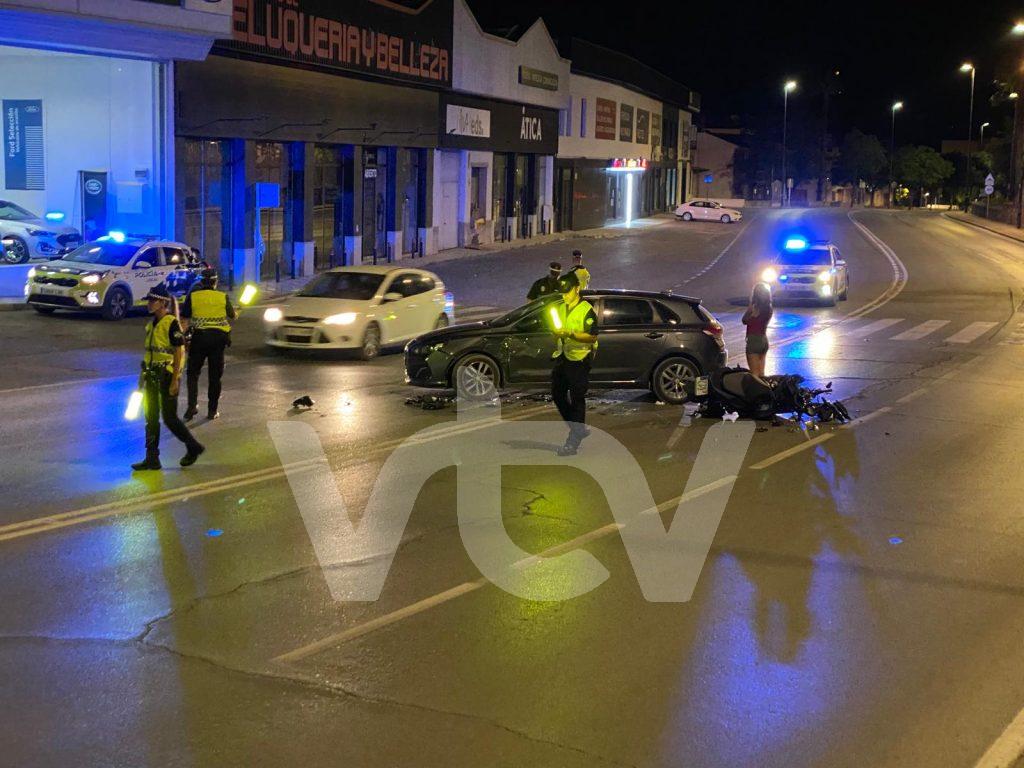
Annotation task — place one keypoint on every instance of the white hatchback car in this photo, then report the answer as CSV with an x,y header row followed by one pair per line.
x,y
707,210
359,308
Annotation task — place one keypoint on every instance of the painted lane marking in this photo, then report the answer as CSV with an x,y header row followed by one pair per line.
x,y
1008,748
39,525
970,333
714,261
918,332
448,595
789,452
878,325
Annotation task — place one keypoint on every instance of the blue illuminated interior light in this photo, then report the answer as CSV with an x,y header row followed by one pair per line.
x,y
795,244
54,216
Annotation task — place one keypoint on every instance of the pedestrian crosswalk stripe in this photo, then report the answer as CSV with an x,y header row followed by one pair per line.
x,y
970,333
878,325
920,331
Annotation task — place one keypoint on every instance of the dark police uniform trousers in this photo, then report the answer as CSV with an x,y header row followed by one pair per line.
x,y
206,348
570,380
159,402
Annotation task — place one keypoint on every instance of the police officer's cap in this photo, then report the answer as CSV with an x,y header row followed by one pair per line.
x,y
568,282
554,266
209,275
577,254
159,293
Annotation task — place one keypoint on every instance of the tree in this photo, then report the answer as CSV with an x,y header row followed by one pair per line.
x,y
921,168
962,185
861,158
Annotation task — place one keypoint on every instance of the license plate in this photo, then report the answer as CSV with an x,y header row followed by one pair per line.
x,y
700,387
293,331
51,291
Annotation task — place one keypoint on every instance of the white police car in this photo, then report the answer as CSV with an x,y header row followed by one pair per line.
x,y
27,236
111,275
808,270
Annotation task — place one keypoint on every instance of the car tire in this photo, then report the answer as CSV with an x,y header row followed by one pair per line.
x,y
371,342
44,310
846,291
726,218
18,253
442,322
116,304
831,301
670,377
687,216
476,377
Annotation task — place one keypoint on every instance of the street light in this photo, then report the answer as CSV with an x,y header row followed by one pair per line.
x,y
789,86
896,107
1018,28
968,67
983,127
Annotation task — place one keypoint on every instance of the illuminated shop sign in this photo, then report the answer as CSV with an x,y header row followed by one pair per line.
x,y
409,41
625,164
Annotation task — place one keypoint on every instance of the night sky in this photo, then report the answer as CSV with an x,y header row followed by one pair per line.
x,y
737,54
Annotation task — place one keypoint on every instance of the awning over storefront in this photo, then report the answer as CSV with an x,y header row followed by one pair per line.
x,y
141,29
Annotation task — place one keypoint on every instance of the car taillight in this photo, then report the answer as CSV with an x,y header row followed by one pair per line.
x,y
714,330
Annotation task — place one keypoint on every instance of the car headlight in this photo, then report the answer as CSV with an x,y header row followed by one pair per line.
x,y
31,273
91,279
770,275
345,318
41,233
273,315
825,276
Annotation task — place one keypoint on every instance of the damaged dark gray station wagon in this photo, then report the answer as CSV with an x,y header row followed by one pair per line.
x,y
655,341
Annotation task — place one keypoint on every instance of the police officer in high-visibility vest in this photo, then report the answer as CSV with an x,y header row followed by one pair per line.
x,y
576,334
162,361
208,313
581,272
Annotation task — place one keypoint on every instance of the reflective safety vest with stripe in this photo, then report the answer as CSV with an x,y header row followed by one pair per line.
x,y
159,350
575,322
209,310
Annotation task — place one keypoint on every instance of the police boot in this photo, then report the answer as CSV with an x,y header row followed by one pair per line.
x,y
190,413
150,462
193,453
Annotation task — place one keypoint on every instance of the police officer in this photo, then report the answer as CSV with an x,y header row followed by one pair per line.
x,y
160,378
581,272
207,312
547,285
574,354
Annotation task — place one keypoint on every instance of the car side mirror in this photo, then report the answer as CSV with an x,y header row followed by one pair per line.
x,y
840,262
142,265
392,296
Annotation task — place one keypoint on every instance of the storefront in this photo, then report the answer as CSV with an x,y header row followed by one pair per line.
x,y
87,103
497,161
326,155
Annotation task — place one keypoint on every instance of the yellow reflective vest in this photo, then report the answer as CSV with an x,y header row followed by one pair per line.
x,y
159,350
575,322
209,310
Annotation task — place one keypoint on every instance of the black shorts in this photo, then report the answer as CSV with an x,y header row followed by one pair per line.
x,y
757,345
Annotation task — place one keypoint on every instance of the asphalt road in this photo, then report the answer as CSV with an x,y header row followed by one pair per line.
x,y
859,603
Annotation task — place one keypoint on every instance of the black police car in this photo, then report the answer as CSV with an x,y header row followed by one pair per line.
x,y
655,341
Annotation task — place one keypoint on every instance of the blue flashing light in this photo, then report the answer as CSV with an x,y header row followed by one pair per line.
x,y
214,532
54,216
117,237
795,244
783,278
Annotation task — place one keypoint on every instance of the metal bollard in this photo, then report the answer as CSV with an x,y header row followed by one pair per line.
x,y
277,271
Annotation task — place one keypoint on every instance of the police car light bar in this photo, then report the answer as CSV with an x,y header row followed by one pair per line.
x,y
795,244
54,216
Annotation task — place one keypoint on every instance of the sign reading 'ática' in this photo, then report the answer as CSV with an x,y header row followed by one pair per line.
x,y
399,39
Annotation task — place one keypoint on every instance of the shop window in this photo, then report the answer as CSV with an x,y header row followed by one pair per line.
x,y
478,193
327,232
583,118
206,187
272,167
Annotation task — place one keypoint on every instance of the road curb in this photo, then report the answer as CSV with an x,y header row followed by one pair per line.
x,y
12,306
979,225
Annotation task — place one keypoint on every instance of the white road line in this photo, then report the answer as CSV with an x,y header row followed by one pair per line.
x,y
912,396
878,325
783,455
970,333
918,332
714,261
1008,748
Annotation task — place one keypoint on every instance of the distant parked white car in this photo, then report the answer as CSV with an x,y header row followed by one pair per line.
x,y
707,210
27,236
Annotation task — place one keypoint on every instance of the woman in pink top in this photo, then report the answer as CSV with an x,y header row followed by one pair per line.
x,y
756,318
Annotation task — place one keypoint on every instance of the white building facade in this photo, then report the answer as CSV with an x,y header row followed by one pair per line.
x,y
499,135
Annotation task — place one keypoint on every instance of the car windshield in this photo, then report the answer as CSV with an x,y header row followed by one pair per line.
x,y
359,286
108,254
812,257
518,314
12,212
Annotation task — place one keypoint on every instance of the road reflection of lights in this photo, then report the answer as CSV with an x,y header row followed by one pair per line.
x,y
345,405
822,343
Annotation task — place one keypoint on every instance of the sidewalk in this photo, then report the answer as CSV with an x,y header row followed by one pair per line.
x,y
270,289
997,227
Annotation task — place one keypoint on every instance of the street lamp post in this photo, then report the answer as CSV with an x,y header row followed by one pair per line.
x,y
1016,171
981,142
789,86
968,67
896,107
